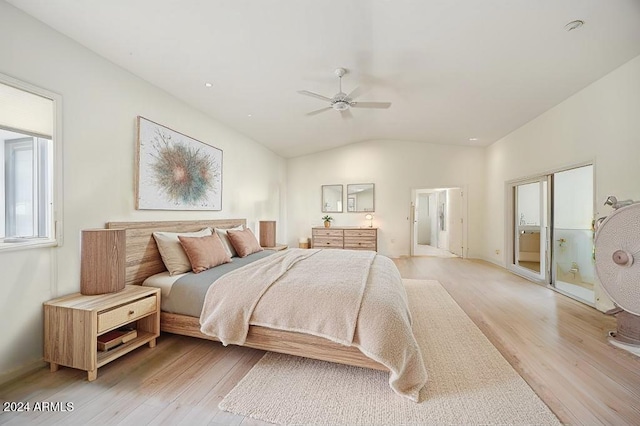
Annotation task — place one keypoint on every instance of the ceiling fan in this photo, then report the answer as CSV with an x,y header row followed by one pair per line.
x,y
341,101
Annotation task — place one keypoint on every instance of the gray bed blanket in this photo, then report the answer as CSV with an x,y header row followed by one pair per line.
x,y
187,294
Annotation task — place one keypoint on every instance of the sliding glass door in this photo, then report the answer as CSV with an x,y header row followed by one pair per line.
x,y
573,271
530,225
552,231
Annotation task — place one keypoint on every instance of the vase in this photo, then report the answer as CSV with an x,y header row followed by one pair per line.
x,y
327,224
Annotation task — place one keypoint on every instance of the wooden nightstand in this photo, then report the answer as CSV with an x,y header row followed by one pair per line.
x,y
73,323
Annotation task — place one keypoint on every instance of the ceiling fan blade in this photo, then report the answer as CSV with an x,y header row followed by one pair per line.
x,y
346,114
318,111
380,105
314,95
355,93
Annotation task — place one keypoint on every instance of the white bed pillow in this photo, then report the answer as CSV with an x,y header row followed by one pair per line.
x,y
222,233
173,255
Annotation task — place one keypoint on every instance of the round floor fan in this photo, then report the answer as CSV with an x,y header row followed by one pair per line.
x,y
617,255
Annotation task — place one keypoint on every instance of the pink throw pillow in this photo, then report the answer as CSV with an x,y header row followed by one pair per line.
x,y
244,242
204,252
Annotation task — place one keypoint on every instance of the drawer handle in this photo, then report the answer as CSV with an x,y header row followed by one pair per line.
x,y
359,244
131,312
328,243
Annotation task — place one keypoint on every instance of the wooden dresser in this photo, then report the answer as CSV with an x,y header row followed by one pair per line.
x,y
348,238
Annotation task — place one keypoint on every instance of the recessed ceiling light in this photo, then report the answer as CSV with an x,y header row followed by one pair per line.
x,y
207,84
248,115
574,25
473,139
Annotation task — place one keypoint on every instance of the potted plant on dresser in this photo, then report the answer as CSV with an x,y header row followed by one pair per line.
x,y
327,221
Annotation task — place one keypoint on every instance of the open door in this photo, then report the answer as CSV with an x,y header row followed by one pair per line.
x,y
437,222
455,221
529,252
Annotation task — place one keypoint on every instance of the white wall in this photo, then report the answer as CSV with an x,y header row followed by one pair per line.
x,y
395,167
600,123
100,104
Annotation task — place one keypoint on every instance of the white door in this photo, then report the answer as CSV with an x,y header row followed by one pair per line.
x,y
455,221
439,214
423,219
530,226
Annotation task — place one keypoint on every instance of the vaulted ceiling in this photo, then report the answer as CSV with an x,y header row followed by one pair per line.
x,y
454,70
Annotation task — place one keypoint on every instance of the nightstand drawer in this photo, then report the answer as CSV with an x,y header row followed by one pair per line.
x,y
126,313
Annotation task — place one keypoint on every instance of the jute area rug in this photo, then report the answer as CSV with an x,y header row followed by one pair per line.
x,y
469,380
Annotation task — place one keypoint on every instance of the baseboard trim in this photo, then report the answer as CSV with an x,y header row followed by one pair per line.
x,y
21,371
493,261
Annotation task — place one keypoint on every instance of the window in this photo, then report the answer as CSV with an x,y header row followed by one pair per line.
x,y
29,165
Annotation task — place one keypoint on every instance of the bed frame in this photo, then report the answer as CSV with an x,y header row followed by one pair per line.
x,y
143,260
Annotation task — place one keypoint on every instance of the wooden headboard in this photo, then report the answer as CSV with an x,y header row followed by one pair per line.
x,y
143,257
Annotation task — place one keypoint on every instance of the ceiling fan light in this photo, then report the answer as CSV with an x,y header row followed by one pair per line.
x,y
340,106
342,102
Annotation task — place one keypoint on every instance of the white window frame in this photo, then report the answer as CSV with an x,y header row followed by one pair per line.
x,y
55,222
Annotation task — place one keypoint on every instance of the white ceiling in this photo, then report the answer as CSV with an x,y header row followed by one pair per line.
x,y
453,69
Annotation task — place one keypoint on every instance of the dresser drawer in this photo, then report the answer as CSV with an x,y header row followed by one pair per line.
x,y
371,233
327,242
359,243
327,232
126,313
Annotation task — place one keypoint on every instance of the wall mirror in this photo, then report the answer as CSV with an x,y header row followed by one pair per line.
x,y
360,197
332,198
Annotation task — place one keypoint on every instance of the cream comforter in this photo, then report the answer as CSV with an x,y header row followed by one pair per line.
x,y
355,298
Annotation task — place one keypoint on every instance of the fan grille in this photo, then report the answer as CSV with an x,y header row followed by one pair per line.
x,y
620,233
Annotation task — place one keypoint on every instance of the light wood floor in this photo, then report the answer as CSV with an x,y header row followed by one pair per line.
x,y
558,346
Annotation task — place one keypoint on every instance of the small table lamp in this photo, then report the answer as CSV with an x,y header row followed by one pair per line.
x,y
369,217
267,233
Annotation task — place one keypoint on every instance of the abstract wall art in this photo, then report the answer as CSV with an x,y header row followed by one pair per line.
x,y
175,171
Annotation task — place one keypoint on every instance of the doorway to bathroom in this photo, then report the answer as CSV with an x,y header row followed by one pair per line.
x,y
551,231
438,225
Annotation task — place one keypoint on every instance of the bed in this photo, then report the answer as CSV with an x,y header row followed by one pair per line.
x,y
143,261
